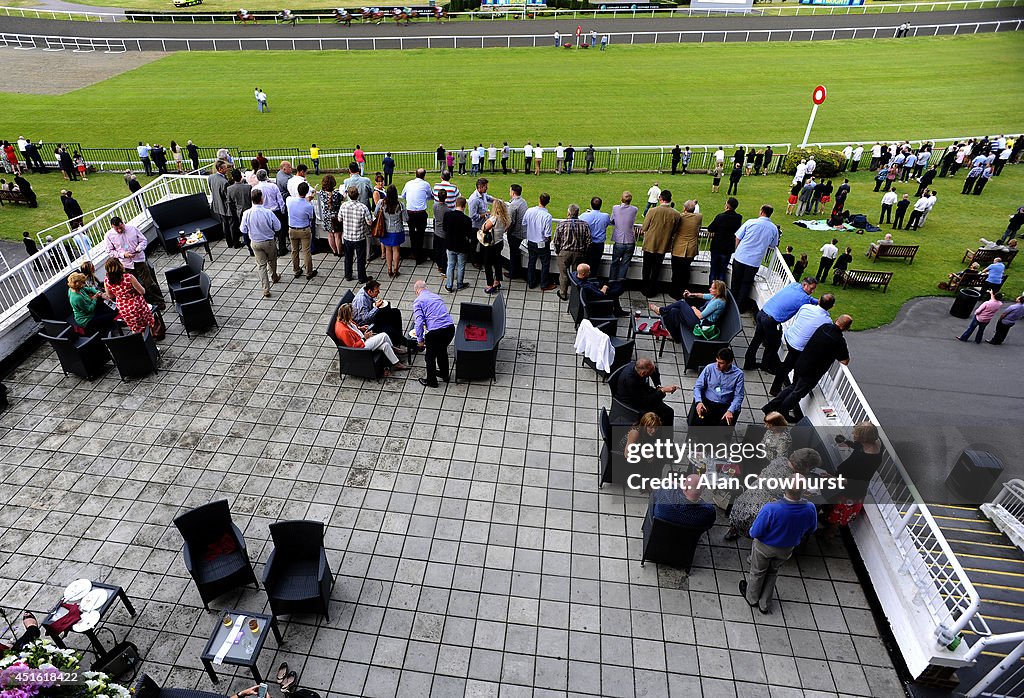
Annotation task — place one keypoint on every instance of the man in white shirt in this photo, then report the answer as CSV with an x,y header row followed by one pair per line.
x,y
876,156
858,153
887,203
559,158
528,155
652,197
916,216
928,208
537,221
538,155
811,165
417,195
829,252
801,171
474,162
847,154
720,156
808,319
492,156
298,178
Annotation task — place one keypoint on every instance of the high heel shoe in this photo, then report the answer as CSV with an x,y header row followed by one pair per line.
x,y
290,683
282,672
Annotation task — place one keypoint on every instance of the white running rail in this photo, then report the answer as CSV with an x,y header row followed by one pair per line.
x,y
328,43
1007,511
1006,679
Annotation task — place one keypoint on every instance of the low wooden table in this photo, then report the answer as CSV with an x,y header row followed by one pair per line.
x,y
246,649
204,243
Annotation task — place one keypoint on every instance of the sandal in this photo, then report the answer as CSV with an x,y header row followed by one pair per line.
x,y
282,672
399,367
28,619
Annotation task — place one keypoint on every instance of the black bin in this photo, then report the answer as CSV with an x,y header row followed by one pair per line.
x,y
973,475
963,304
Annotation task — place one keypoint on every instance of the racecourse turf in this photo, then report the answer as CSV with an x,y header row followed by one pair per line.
x,y
629,95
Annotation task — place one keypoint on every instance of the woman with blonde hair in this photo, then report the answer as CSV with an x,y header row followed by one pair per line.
x,y
358,336
858,469
644,431
129,295
91,313
682,315
492,238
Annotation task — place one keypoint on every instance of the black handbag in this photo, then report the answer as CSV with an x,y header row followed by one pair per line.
x,y
121,662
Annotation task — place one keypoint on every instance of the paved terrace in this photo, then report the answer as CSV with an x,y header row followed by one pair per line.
x,y
473,550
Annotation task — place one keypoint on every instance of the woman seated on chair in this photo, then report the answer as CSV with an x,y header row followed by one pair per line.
x,y
129,295
645,431
91,313
682,315
352,335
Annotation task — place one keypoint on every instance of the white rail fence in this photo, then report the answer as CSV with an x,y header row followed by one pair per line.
x,y
83,44
1007,511
1006,679
519,13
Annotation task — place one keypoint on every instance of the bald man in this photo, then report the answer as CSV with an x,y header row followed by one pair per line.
x,y
638,385
683,505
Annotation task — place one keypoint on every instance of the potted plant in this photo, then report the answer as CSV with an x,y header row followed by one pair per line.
x,y
43,669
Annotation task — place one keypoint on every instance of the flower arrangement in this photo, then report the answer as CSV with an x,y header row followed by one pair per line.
x,y
43,669
567,44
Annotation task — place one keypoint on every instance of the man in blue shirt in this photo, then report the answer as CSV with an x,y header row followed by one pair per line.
x,y
435,330
537,221
1007,320
993,275
261,225
300,227
805,323
718,393
753,240
768,322
779,527
598,222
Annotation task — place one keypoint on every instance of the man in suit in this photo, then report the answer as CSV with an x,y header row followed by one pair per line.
x,y
684,247
826,345
218,182
660,226
239,196
638,385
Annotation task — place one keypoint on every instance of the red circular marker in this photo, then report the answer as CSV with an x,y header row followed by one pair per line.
x,y
819,94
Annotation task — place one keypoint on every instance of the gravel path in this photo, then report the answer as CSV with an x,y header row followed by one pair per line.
x,y
51,73
146,36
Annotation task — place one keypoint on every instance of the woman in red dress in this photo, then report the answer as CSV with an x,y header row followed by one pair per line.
x,y
129,295
11,155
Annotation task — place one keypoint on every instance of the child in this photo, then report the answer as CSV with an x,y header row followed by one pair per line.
x,y
798,270
717,174
794,196
80,165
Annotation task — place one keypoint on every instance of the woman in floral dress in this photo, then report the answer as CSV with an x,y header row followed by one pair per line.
x,y
748,504
129,295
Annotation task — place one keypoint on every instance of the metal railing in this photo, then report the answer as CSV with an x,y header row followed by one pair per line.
x,y
518,13
939,583
1007,511
1006,679
64,254
121,45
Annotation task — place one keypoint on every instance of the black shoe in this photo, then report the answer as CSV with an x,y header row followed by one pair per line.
x,y
462,286
428,384
563,296
311,274
349,278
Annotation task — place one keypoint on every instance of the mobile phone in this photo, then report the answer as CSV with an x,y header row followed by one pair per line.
x,y
262,693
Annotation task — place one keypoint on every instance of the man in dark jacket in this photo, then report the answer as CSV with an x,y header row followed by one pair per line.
x,y
638,385
460,239
826,345
218,182
26,190
926,180
723,238
72,208
239,196
193,154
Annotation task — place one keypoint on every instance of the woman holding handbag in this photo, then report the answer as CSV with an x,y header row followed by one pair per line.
x,y
379,190
330,204
392,211
681,315
492,238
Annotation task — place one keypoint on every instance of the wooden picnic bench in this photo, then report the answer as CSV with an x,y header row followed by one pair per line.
x,y
984,257
14,197
865,277
896,252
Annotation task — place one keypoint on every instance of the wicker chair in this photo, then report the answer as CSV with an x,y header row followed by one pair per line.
x,y
297,575
146,687
215,552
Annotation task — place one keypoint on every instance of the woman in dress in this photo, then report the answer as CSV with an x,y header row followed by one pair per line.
x,y
129,295
748,504
717,174
379,190
91,313
80,166
858,469
777,441
330,204
176,154
392,210
794,197
495,227
11,155
359,336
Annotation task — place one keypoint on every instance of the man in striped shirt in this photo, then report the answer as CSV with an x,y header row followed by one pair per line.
x,y
355,222
452,191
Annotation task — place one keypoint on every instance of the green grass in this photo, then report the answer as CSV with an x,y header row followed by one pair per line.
x,y
99,191
640,95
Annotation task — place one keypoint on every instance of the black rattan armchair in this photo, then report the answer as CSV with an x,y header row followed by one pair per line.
x,y
297,575
81,356
185,275
135,355
146,687
215,552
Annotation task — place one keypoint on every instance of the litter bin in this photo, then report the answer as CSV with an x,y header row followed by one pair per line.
x,y
973,475
963,304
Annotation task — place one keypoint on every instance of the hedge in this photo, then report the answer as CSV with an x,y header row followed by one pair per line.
x,y
829,162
